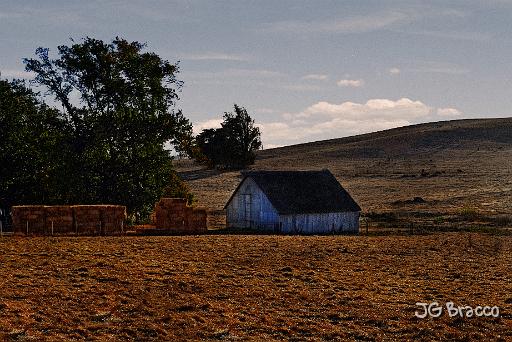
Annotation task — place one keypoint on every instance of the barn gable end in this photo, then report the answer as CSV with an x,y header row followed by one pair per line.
x,y
249,207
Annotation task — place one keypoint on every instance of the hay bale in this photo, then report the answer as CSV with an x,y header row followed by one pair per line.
x,y
87,219
197,221
31,216
173,215
112,218
59,219
99,219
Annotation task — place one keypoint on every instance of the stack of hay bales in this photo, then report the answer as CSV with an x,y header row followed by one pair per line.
x,y
113,217
99,219
59,219
170,214
174,216
197,220
78,219
29,219
88,220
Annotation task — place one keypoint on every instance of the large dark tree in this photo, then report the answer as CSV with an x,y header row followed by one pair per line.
x,y
233,145
33,142
119,104
212,143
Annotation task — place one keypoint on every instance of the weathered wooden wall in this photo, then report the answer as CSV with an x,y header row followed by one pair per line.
x,y
250,208
346,222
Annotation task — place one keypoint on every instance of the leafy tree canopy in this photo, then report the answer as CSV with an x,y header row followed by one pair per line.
x,y
232,145
31,140
119,108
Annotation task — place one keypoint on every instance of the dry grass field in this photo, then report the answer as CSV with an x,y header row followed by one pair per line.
x,y
271,287
223,287
453,166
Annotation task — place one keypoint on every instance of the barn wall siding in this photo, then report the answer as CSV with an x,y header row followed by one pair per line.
x,y
344,222
250,208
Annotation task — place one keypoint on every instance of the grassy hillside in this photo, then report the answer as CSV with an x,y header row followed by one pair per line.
x,y
452,165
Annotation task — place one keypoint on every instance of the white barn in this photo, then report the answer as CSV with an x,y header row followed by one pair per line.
x,y
301,202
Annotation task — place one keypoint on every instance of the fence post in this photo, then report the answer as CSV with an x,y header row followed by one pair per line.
x,y
27,227
122,227
52,227
1,229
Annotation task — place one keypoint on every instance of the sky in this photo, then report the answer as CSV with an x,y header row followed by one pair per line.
x,y
304,70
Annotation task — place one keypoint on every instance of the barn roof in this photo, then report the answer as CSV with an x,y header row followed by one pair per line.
x,y
303,192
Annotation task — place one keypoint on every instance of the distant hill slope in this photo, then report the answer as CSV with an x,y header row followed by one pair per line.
x,y
450,164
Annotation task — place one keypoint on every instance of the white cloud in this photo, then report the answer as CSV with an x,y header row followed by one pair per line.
x,y
278,133
276,130
354,24
212,123
452,12
301,87
448,112
350,83
316,77
269,146
260,78
248,74
394,71
403,108
325,120
214,56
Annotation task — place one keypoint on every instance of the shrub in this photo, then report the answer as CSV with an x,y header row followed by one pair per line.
x,y
469,213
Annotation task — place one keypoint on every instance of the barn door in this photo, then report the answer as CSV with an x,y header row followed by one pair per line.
x,y
247,210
